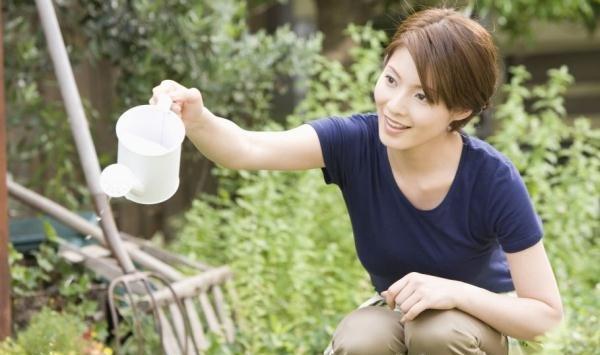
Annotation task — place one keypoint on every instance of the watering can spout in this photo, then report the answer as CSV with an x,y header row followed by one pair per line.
x,y
117,180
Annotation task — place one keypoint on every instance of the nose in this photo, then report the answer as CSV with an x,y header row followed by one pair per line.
x,y
396,106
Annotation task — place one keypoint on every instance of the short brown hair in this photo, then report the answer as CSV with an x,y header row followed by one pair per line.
x,y
455,56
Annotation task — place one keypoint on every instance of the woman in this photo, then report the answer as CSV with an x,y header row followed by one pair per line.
x,y
442,221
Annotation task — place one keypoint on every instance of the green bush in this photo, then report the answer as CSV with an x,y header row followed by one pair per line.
x,y
560,164
47,288
288,240
49,333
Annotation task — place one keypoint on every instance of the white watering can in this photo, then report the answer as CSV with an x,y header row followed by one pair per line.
x,y
147,169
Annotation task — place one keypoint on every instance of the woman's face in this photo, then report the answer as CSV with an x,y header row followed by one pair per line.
x,y
407,118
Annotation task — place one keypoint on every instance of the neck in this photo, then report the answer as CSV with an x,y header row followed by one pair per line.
x,y
440,152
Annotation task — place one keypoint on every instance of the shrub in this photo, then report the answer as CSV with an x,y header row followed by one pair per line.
x,y
51,333
560,165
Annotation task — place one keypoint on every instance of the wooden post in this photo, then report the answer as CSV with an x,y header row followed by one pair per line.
x,y
5,304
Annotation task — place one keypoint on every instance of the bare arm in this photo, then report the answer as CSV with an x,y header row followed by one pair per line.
x,y
228,145
538,307
225,143
536,310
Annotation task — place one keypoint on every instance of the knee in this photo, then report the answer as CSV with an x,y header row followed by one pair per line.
x,y
437,332
367,331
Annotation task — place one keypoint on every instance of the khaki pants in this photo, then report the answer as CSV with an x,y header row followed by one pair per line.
x,y
376,330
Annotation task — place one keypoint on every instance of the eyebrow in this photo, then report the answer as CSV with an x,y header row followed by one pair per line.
x,y
417,86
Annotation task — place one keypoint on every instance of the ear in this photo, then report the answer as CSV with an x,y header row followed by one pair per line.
x,y
459,114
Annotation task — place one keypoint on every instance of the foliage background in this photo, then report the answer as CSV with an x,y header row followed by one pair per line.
x,y
286,235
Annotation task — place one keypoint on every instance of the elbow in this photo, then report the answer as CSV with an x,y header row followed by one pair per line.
x,y
558,315
554,318
554,315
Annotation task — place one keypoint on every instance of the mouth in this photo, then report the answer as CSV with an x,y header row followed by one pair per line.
x,y
394,125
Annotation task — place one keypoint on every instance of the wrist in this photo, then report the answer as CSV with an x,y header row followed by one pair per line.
x,y
462,294
198,121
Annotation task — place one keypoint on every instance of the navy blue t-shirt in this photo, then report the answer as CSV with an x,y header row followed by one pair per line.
x,y
486,212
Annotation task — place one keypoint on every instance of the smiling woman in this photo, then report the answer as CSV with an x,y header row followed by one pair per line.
x,y
446,46
442,221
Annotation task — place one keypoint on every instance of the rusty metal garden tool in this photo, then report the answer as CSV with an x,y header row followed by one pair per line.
x,y
132,285
201,295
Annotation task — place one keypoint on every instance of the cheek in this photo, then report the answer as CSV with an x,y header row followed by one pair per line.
x,y
379,93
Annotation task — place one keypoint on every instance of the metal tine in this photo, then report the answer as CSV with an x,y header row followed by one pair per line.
x,y
168,342
114,315
131,287
180,317
178,321
134,311
155,310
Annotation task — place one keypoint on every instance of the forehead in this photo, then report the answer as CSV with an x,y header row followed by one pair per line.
x,y
403,64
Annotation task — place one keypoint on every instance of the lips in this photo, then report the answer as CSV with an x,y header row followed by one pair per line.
x,y
395,125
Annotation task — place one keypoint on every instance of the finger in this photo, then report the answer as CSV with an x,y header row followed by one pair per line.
x,y
175,107
165,88
414,311
389,299
156,92
161,90
394,290
170,85
407,304
405,293
186,95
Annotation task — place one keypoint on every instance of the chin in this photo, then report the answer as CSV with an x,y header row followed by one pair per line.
x,y
392,142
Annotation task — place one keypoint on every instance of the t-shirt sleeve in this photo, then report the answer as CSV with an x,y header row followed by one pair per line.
x,y
341,140
513,219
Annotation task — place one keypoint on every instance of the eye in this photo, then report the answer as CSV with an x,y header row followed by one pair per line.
x,y
421,97
390,80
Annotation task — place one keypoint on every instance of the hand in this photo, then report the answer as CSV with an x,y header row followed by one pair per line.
x,y
187,103
416,292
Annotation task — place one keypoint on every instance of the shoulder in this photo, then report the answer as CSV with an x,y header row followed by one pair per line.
x,y
493,176
490,163
353,122
349,127
345,143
